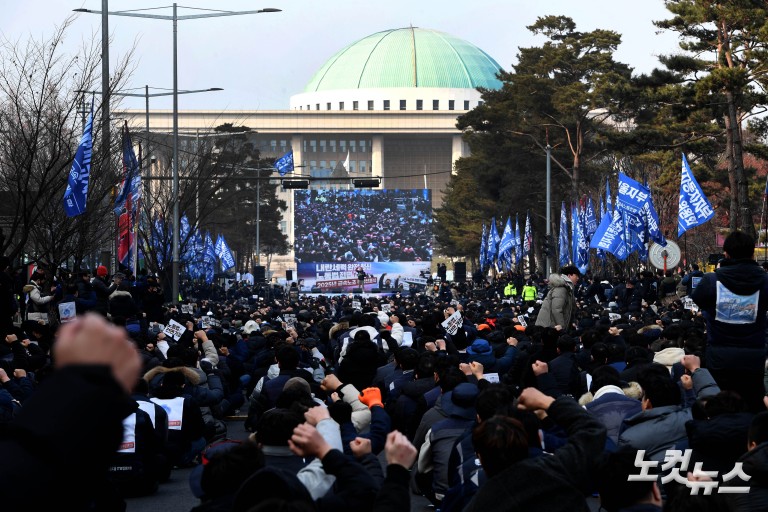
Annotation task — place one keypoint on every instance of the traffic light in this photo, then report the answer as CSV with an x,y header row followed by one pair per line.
x,y
295,184
549,246
366,182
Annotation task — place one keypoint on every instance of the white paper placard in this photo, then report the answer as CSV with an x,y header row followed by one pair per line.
x,y
493,378
174,329
67,312
452,323
522,321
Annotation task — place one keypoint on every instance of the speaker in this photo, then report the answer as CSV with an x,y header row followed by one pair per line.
x,y
460,271
259,274
289,275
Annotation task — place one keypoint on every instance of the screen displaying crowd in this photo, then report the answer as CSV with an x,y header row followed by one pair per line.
x,y
363,225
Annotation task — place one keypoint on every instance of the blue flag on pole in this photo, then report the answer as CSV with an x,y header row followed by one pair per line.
x,y
581,244
77,183
518,242
484,249
528,235
226,260
590,219
610,236
505,246
608,206
210,259
563,249
284,164
493,243
695,208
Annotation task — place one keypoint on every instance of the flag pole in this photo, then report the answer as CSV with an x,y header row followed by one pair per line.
x,y
762,217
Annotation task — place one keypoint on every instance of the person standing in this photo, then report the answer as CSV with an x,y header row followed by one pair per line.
x,y
39,303
559,305
734,300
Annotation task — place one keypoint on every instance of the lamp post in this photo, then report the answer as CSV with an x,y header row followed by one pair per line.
x,y
175,168
548,269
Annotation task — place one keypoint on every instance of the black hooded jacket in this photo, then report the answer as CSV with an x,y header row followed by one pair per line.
x,y
734,300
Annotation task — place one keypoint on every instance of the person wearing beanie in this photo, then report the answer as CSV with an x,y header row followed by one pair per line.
x,y
102,290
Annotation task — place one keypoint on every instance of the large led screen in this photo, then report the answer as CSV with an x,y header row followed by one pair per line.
x,y
385,233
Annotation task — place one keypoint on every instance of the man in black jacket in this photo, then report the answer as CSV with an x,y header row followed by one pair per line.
x,y
734,302
59,446
545,483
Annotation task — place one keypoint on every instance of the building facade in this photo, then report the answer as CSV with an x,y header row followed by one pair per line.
x,y
388,101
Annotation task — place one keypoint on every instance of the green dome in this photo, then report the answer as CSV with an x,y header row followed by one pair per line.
x,y
407,57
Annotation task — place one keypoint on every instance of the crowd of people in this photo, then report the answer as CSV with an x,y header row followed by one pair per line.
x,y
516,393
371,226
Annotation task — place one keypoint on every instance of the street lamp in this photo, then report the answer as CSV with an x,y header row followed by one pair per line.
x,y
175,168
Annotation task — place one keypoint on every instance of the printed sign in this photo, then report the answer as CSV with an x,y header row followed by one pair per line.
x,y
174,330
356,305
205,322
522,321
186,309
67,312
452,323
493,378
290,319
386,307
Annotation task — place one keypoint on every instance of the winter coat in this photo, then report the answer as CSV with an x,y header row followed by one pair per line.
x,y
733,301
559,304
661,428
121,305
360,364
718,442
610,406
754,464
553,483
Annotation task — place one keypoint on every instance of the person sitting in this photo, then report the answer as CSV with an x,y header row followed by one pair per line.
x,y
554,483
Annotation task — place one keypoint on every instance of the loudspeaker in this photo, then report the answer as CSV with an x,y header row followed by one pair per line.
x,y
259,274
289,275
460,271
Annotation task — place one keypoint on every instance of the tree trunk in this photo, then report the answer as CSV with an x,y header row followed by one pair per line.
x,y
733,212
745,222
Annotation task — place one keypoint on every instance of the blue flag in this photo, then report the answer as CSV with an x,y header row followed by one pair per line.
x,y
226,260
505,246
590,219
581,242
77,183
563,249
210,259
527,240
518,242
484,249
608,206
609,236
284,164
632,195
493,243
695,208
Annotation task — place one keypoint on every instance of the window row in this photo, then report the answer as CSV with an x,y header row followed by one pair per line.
x,y
354,165
387,105
334,146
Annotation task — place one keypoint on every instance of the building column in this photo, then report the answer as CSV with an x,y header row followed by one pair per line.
x,y
458,149
377,156
297,145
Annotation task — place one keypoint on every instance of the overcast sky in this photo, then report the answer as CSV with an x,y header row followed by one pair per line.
x,y
261,60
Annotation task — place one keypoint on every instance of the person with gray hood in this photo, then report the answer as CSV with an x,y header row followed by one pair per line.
x,y
559,305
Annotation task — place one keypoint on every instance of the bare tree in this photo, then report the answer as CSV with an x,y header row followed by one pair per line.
x,y
40,127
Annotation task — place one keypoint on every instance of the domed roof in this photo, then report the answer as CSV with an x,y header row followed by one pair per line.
x,y
407,57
